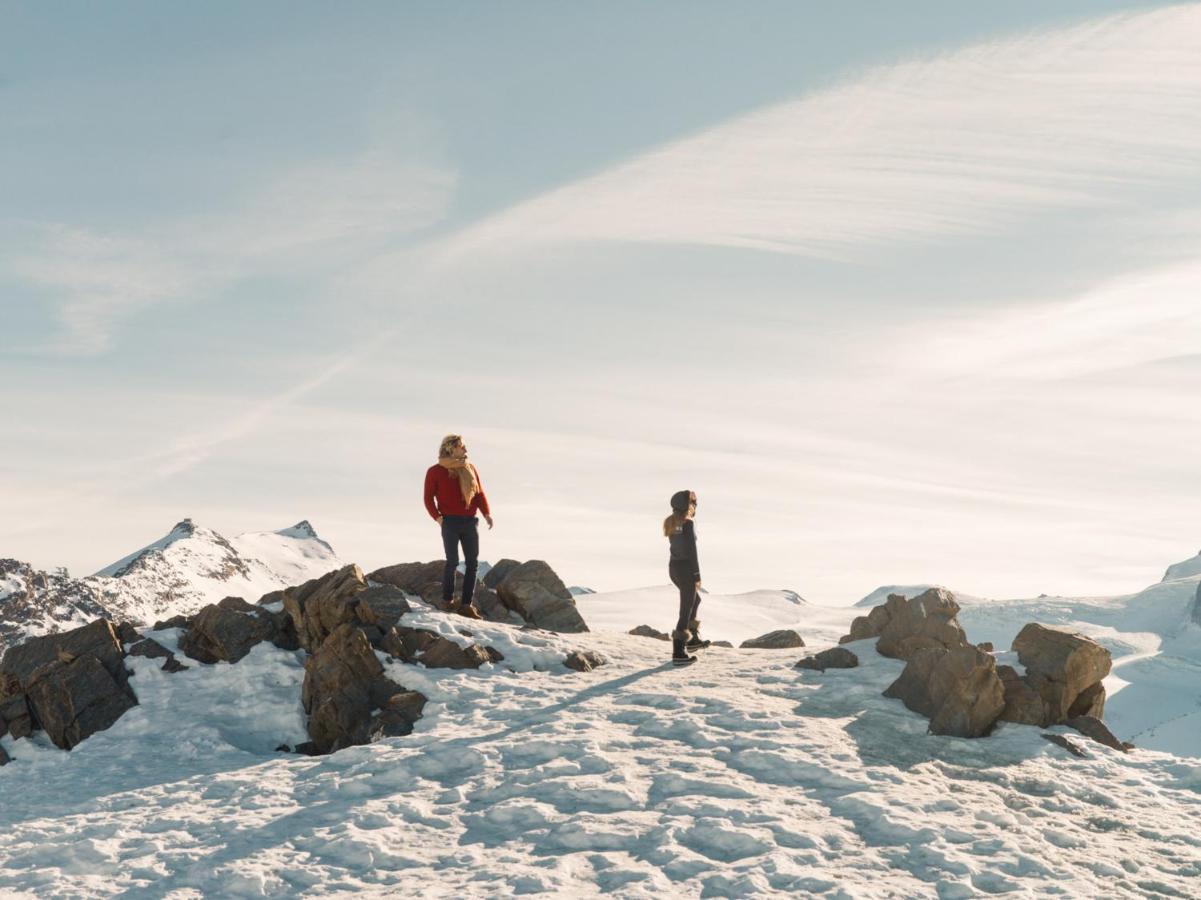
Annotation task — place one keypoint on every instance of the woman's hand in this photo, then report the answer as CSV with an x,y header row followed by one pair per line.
x,y
488,519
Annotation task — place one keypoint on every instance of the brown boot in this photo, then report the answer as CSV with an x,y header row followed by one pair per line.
x,y
468,611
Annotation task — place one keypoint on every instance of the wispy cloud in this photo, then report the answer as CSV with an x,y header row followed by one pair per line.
x,y
317,212
1133,320
962,143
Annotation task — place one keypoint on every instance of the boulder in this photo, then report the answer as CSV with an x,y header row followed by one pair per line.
x,y
781,639
535,592
149,648
957,689
14,711
97,639
127,633
647,631
833,658
172,665
381,605
1066,743
926,621
492,608
320,606
1064,671
236,604
72,700
413,578
173,622
720,644
226,633
985,647
869,626
432,650
584,660
344,684
1093,727
4,760
499,572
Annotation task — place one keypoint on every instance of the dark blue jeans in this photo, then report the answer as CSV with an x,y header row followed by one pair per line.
x,y
684,577
460,530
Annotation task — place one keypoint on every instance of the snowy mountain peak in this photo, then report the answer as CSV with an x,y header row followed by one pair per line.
x,y
1186,569
302,529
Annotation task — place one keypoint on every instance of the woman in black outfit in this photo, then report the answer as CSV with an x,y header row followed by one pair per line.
x,y
685,573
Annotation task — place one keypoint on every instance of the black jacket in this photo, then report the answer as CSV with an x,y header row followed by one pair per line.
x,y
683,547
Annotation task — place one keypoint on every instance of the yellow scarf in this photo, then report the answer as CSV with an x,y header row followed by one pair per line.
x,y
469,482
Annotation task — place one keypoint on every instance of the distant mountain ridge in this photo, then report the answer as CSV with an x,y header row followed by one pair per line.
x,y
184,570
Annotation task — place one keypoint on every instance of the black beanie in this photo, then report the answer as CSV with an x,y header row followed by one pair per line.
x,y
680,500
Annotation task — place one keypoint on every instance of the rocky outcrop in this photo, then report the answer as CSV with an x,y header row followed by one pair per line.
x,y
1063,679
425,581
71,685
957,689
833,658
347,697
432,650
4,760
647,631
318,607
152,649
905,626
226,631
584,660
781,639
535,592
1093,727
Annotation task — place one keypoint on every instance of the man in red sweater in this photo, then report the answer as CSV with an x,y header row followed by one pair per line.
x,y
453,495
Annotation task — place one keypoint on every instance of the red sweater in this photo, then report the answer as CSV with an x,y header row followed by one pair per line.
x,y
444,497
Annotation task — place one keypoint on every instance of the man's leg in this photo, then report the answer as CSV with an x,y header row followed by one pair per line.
x,y
471,554
450,543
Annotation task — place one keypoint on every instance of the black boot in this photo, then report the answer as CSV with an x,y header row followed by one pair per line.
x,y
680,656
695,642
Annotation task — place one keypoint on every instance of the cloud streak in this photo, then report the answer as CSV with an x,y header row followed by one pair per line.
x,y
964,143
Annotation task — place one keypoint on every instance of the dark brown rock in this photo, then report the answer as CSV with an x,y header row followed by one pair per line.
x,y
1092,727
14,711
647,631
320,606
236,604
535,592
344,683
985,647
398,715
381,605
173,622
149,648
223,634
4,760
499,571
491,607
1023,702
97,639
1066,743
870,625
957,689
172,665
781,639
432,650
412,578
1065,669
72,701
584,660
833,658
926,621
127,633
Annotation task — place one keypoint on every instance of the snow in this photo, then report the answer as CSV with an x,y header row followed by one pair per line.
x,y
880,594
1186,569
740,775
10,584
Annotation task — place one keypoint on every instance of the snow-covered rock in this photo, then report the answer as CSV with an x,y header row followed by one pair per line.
x,y
1186,569
187,569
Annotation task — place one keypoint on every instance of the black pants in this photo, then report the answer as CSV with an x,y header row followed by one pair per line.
x,y
684,577
460,530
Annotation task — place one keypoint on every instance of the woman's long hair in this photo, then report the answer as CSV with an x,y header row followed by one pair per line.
x,y
672,522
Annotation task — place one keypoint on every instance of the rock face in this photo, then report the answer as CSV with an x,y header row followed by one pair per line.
x,y
347,696
71,684
225,631
958,689
432,650
1092,727
905,626
535,592
782,639
319,606
833,658
647,631
425,581
584,660
1063,677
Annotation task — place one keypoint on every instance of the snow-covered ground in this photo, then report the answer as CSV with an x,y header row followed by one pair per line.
x,y
737,776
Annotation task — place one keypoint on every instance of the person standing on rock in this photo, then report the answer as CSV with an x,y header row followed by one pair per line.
x,y
453,495
685,572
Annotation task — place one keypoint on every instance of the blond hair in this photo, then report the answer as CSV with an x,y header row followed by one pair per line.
x,y
446,448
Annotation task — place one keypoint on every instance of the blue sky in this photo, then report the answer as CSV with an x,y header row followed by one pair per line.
x,y
905,292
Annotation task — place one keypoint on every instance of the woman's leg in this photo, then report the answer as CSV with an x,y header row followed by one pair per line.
x,y
450,543
471,554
